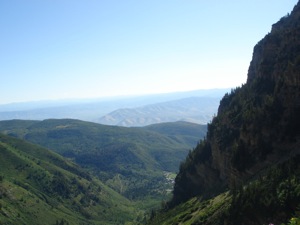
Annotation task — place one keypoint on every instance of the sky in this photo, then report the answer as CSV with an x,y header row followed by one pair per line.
x,y
68,49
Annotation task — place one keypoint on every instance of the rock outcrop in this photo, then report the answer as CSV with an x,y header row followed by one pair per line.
x,y
258,124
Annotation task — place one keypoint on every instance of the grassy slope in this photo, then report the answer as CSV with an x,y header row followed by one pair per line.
x,y
194,212
38,186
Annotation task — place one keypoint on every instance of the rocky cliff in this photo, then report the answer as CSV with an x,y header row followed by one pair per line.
x,y
257,125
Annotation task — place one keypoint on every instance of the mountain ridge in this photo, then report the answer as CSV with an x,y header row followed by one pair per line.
x,y
193,109
257,128
92,109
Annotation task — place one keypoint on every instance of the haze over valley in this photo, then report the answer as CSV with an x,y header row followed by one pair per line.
x,y
192,106
150,113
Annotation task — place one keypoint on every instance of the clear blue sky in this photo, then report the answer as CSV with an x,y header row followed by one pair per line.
x,y
58,49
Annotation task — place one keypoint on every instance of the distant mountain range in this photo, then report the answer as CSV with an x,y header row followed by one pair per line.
x,y
194,109
124,111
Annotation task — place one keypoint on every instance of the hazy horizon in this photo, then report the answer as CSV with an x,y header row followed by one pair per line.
x,y
58,50
118,110
62,101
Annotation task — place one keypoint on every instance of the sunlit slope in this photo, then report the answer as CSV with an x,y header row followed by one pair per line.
x,y
38,186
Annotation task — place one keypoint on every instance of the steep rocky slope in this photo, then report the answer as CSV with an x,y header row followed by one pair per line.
x,y
257,125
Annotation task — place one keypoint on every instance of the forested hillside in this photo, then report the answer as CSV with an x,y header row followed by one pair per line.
x,y
252,146
38,186
136,162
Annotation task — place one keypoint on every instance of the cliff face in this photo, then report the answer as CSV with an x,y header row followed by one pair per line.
x,y
277,55
258,124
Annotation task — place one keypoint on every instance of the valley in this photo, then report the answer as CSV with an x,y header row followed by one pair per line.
x,y
186,160
138,163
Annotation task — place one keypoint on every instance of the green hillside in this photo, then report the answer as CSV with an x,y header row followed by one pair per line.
x,y
133,161
38,186
185,132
